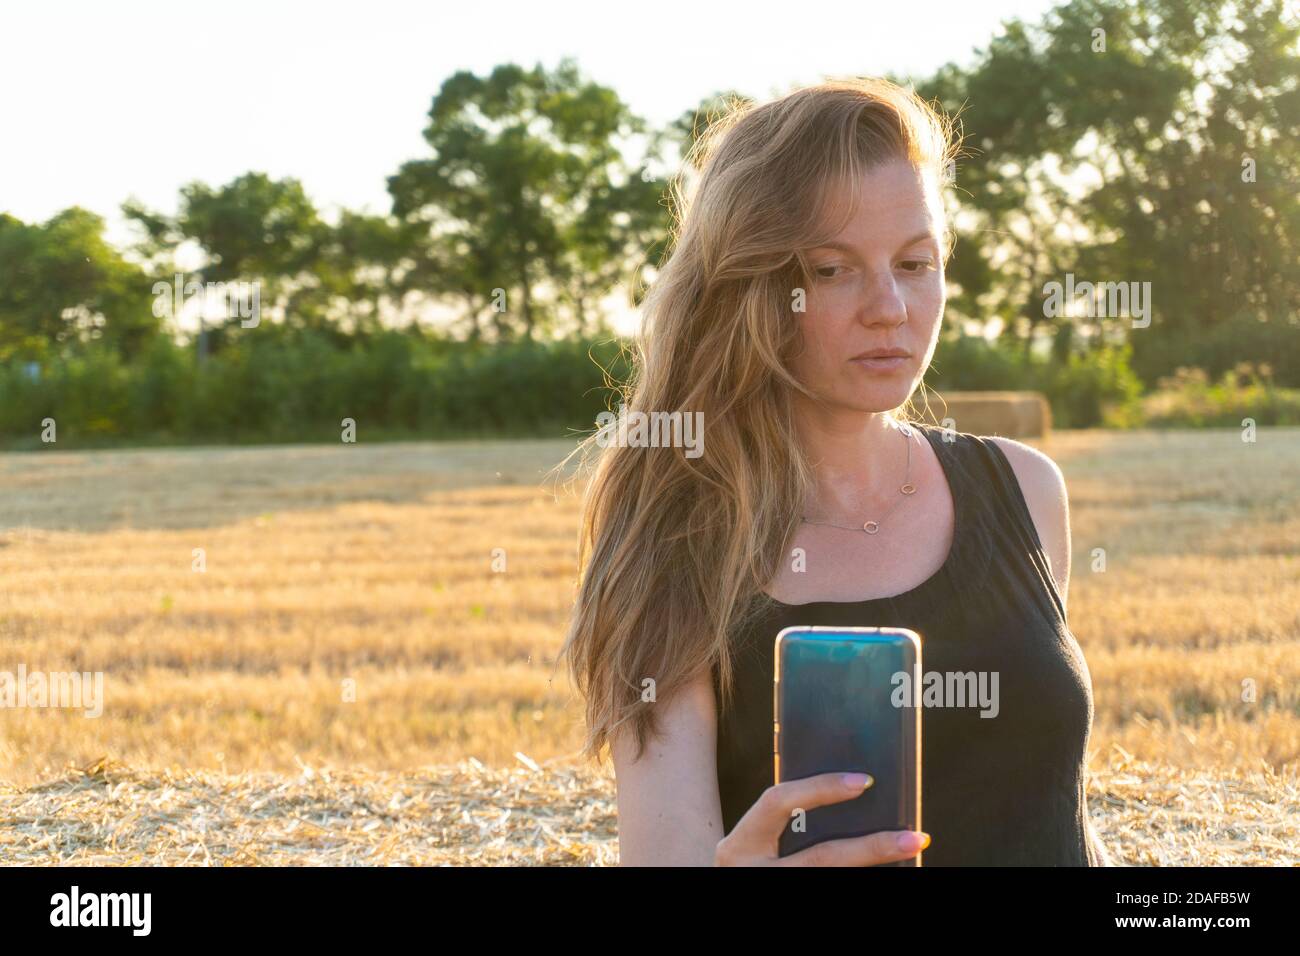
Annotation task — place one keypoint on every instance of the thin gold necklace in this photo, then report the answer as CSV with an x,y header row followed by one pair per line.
x,y
907,488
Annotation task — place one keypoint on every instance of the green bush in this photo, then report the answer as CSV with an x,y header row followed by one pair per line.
x,y
1244,338
1190,399
284,385
1080,390
1090,384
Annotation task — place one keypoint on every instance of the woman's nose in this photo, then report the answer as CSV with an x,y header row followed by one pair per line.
x,y
882,305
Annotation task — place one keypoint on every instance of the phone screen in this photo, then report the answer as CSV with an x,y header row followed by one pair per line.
x,y
837,711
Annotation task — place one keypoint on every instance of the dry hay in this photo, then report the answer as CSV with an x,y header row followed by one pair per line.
x,y
471,815
465,815
345,563
1011,414
1161,815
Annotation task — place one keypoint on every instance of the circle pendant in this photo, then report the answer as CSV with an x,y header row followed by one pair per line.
x,y
871,527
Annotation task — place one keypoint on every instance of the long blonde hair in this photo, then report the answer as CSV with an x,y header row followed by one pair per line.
x,y
674,551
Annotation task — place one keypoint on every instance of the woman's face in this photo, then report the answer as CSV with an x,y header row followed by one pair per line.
x,y
879,285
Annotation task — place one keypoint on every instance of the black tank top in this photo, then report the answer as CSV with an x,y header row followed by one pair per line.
x,y
1001,791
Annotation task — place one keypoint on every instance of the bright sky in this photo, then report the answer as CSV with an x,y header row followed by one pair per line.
x,y
102,101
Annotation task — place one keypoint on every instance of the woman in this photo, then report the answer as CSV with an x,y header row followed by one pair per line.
x,y
799,310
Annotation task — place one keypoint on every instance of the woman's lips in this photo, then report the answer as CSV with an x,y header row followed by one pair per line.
x,y
883,364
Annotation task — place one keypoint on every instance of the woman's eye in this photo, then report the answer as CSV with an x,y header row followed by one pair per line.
x,y
918,265
821,270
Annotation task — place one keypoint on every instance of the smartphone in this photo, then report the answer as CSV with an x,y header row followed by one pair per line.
x,y
837,710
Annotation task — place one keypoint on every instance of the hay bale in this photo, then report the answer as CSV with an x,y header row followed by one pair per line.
x,y
1010,414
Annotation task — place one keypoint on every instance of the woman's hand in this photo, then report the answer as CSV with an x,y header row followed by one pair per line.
x,y
754,841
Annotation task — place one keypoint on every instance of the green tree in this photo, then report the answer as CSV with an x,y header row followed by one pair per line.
x,y
1154,141
62,283
253,229
527,188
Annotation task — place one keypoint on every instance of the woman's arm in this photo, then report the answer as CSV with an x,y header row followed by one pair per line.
x,y
670,814
669,811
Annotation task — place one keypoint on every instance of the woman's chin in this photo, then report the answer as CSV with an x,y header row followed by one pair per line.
x,y
881,399
869,399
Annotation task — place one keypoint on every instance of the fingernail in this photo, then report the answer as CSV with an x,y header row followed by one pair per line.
x,y
913,841
858,781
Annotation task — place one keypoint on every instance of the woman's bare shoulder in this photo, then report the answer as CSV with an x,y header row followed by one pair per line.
x,y
1043,485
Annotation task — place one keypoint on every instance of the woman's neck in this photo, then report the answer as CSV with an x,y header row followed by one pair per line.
x,y
858,457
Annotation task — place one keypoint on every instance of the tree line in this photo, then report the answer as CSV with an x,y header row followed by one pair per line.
x,y
1116,141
